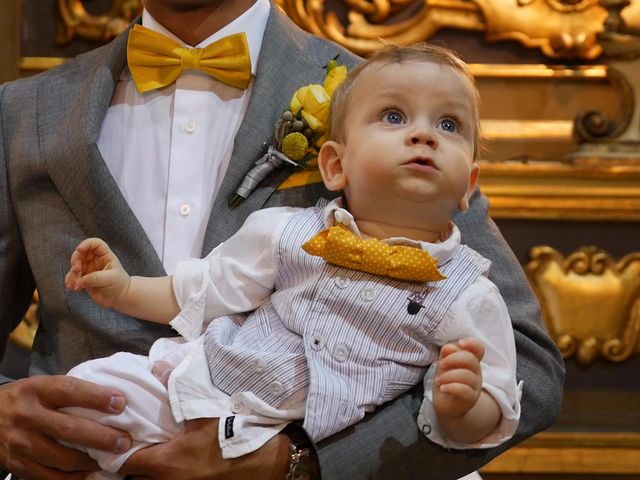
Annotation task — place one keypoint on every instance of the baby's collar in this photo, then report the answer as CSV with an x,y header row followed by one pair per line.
x,y
336,213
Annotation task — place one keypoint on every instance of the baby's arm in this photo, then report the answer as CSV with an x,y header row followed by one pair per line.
x,y
466,413
96,269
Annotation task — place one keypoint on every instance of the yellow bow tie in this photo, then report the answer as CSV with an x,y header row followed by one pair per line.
x,y
155,61
339,246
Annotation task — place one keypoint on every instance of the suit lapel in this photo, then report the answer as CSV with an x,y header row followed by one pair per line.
x,y
69,132
283,68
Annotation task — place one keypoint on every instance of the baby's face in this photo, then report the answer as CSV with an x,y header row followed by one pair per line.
x,y
409,138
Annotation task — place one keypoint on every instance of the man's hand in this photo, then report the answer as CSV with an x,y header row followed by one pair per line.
x,y
96,269
30,425
458,379
196,455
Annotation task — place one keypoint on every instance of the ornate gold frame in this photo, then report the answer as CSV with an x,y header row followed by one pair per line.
x,y
590,303
535,24
560,28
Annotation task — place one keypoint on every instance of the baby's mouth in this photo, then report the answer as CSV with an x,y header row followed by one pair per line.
x,y
424,162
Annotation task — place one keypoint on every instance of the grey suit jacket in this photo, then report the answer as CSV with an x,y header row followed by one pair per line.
x,y
56,190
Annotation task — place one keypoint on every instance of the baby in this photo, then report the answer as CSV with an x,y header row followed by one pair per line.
x,y
351,302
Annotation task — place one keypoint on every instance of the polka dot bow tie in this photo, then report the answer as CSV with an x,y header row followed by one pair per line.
x,y
156,61
341,247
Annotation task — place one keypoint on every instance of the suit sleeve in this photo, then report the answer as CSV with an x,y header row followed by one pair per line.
x,y
16,282
387,443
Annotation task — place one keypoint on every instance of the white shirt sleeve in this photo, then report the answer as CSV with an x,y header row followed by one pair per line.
x,y
237,276
479,312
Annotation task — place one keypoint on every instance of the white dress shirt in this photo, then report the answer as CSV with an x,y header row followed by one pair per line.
x,y
169,149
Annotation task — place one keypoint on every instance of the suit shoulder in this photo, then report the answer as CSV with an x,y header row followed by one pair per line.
x,y
69,73
327,49
315,49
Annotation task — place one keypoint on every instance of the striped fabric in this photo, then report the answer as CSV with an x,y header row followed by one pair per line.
x,y
346,336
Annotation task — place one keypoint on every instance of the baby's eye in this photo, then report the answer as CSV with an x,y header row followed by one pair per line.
x,y
449,125
393,117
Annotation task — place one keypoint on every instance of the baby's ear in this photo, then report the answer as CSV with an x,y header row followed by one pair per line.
x,y
463,204
330,165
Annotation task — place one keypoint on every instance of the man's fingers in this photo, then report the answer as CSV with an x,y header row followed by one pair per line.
x,y
32,470
82,431
64,391
52,454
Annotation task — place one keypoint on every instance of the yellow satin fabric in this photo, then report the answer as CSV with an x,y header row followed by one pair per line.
x,y
341,247
156,61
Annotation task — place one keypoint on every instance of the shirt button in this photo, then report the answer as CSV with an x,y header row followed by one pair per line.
x,y
368,294
237,407
276,388
258,365
341,352
185,209
316,341
341,282
190,127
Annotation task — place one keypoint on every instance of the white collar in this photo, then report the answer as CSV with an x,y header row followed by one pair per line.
x,y
335,213
252,22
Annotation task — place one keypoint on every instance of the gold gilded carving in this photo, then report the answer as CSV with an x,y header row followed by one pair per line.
x,y
24,333
598,135
593,189
595,125
77,21
398,21
560,28
591,303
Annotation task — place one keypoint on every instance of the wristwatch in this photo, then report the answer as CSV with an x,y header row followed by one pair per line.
x,y
303,459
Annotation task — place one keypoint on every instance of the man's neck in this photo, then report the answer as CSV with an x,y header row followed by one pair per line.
x,y
193,24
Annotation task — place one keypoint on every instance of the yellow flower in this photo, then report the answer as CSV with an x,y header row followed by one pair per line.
x,y
334,78
313,102
295,146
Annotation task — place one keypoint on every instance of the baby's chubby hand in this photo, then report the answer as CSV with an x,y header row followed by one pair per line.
x,y
458,378
96,269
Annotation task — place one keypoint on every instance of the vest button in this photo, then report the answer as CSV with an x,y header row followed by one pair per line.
x,y
316,341
258,365
341,352
368,294
341,282
276,388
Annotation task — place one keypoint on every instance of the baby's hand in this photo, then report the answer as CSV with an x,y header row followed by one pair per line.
x,y
458,379
96,269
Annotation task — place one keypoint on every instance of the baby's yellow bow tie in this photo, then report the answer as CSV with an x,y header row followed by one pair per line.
x,y
155,61
339,246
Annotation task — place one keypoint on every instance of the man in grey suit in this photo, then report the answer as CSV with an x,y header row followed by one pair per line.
x,y
58,185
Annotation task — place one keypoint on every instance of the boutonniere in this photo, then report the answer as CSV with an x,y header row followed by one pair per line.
x,y
299,132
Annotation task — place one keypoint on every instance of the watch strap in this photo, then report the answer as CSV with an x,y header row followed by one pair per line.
x,y
303,458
